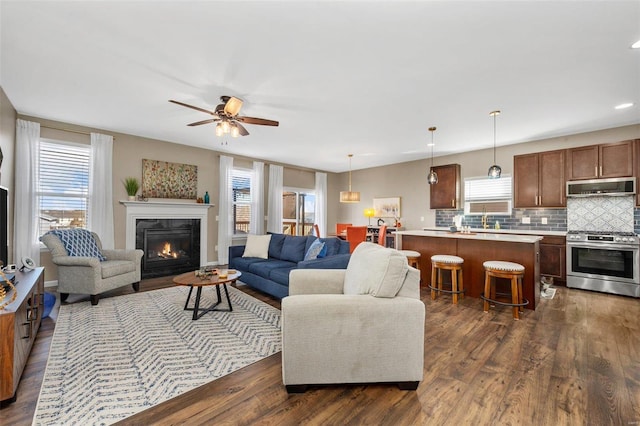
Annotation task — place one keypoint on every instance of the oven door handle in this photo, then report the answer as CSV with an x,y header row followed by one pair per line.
x,y
603,246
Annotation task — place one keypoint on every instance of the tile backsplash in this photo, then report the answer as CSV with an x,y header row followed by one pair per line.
x,y
592,213
601,214
556,219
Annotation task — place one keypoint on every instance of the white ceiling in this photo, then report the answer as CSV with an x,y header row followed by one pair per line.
x,y
358,77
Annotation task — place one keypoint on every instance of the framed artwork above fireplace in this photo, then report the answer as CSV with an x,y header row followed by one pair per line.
x,y
162,179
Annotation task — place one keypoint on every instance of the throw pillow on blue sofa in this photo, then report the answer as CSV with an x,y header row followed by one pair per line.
x,y
315,250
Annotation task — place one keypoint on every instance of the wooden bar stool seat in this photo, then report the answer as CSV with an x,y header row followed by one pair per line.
x,y
413,257
501,269
444,262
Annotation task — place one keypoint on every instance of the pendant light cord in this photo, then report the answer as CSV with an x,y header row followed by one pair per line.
x,y
494,138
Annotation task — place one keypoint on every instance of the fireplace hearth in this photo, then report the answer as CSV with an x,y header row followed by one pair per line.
x,y
170,246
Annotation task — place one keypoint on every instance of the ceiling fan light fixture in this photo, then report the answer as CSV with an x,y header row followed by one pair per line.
x,y
219,130
349,196
235,131
494,171
226,128
432,178
233,105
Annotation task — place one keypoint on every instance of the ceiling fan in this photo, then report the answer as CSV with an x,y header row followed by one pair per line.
x,y
227,118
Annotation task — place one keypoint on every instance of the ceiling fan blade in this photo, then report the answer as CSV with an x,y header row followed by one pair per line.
x,y
232,106
243,131
260,121
198,123
193,107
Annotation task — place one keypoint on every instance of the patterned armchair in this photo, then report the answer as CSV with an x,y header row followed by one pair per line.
x,y
84,267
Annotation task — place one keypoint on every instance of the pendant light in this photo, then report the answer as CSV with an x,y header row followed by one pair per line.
x,y
433,176
349,196
495,170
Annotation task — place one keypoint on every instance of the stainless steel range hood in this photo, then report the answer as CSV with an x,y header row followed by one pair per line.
x,y
614,187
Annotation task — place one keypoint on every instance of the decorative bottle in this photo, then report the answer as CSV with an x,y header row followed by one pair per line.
x,y
206,197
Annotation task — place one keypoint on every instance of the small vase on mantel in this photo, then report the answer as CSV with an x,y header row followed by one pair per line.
x,y
132,197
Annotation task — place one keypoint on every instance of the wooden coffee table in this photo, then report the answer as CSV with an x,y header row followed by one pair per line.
x,y
190,279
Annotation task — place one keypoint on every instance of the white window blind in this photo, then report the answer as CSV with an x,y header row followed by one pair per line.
x,y
486,195
241,186
63,185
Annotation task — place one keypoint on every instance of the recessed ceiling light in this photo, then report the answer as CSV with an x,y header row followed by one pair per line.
x,y
636,45
623,106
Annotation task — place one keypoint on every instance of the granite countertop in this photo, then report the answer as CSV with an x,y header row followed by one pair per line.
x,y
506,231
485,236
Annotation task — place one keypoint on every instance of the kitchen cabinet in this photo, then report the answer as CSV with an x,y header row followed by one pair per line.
x,y
601,161
19,324
446,193
553,253
539,179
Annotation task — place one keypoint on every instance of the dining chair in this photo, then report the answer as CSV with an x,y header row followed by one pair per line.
x,y
316,230
382,236
342,227
355,236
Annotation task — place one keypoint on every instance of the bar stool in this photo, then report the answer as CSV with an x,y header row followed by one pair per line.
x,y
500,269
413,258
440,262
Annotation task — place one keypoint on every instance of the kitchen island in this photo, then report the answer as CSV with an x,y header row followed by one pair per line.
x,y
475,249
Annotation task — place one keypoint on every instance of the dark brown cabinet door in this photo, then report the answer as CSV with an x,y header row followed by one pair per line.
x,y
616,159
582,163
539,179
601,161
553,253
446,193
525,180
552,180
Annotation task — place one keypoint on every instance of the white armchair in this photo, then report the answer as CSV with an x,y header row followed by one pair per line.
x,y
364,324
89,275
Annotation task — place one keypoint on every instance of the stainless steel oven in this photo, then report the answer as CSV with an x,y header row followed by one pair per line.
x,y
604,261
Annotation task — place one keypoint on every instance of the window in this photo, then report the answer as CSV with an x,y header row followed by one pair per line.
x,y
241,193
485,195
298,210
63,185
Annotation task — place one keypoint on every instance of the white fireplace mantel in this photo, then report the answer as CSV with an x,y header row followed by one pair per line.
x,y
166,210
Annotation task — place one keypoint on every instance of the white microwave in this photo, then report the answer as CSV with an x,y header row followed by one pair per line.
x,y
601,187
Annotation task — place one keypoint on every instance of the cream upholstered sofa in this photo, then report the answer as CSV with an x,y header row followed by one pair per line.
x,y
364,324
88,274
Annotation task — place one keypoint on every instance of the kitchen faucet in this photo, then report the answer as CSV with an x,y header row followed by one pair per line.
x,y
485,222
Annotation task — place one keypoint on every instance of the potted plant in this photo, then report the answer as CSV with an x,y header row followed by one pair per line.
x,y
131,185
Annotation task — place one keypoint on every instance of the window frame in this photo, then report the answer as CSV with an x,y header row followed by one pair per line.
x,y
497,199
241,172
83,196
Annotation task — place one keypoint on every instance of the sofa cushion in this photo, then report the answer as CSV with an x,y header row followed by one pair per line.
x,y
111,268
275,245
257,246
293,248
79,242
263,269
281,275
332,245
314,251
375,270
243,263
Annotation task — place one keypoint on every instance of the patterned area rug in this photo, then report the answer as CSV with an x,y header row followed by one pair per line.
x,y
128,353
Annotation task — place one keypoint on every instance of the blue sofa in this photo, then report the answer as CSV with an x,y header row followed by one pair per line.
x,y
286,253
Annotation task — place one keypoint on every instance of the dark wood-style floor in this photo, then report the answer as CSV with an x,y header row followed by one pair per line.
x,y
574,361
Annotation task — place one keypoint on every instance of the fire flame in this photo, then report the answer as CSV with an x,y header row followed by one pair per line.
x,y
167,251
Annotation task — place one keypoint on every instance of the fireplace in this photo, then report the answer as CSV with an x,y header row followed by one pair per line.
x,y
155,212
170,246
